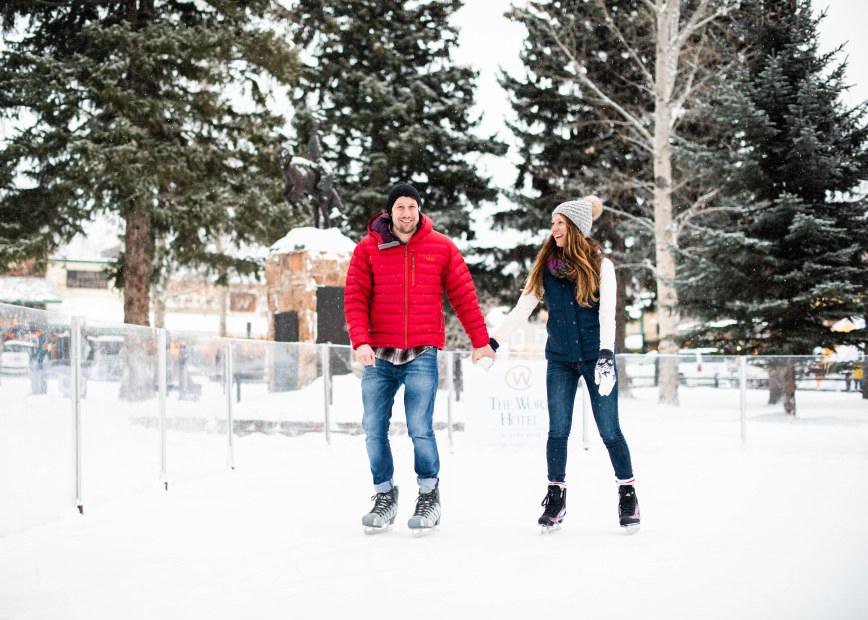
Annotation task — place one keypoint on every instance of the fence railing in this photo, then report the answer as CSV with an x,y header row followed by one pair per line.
x,y
91,411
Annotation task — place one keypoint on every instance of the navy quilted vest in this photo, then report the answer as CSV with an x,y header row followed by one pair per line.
x,y
574,330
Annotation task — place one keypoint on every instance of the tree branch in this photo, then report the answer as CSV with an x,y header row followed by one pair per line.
x,y
638,143
610,24
642,221
645,264
581,75
689,90
697,21
697,209
60,4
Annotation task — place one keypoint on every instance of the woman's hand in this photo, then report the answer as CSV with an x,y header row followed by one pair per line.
x,y
604,372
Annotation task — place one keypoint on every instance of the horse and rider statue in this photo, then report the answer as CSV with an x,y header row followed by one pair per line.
x,y
309,184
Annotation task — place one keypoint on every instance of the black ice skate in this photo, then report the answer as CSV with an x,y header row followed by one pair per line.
x,y
427,515
555,503
628,508
383,513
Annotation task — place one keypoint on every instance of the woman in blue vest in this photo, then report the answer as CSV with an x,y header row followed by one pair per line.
x,y
579,287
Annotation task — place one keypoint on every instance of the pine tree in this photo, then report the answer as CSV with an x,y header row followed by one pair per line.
x,y
156,110
390,106
793,259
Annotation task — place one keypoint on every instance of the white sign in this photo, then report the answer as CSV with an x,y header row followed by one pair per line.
x,y
507,403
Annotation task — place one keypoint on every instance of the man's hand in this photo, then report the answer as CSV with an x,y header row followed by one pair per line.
x,y
481,352
365,355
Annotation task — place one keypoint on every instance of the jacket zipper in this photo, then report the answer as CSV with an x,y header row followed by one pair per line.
x,y
406,303
413,268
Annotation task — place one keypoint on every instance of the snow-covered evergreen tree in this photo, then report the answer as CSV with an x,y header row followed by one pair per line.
x,y
391,106
792,260
156,110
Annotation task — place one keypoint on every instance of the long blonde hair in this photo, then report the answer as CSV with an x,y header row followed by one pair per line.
x,y
584,256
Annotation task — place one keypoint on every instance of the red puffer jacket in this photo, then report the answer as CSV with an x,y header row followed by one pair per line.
x,y
394,293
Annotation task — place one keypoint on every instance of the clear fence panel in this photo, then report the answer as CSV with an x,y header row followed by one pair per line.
x,y
807,387
700,378
345,397
121,447
278,388
37,425
197,417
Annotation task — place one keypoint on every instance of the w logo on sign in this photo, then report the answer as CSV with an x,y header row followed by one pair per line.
x,y
518,377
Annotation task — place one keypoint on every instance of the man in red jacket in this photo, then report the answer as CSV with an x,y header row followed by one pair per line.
x,y
394,307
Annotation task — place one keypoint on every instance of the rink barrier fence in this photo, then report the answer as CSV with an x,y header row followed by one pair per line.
x,y
119,382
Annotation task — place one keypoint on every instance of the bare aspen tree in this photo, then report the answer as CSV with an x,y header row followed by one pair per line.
x,y
670,82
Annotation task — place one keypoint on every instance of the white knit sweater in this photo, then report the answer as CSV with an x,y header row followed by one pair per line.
x,y
527,303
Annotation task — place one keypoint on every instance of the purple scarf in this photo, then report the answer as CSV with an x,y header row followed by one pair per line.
x,y
561,268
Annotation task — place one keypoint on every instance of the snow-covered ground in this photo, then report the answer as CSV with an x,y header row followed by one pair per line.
x,y
771,528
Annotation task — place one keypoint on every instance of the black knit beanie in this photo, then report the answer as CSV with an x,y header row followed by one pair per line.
x,y
402,189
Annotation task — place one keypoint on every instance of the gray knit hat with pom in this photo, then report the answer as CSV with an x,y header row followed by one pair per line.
x,y
579,212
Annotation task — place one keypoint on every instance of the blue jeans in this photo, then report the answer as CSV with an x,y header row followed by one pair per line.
x,y
380,383
562,380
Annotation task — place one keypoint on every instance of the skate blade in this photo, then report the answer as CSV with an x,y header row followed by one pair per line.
x,y
549,529
370,529
630,529
419,532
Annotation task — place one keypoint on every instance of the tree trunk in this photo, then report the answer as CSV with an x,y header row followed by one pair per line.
x,y
789,387
222,293
223,300
666,67
782,384
621,331
137,379
776,384
137,268
159,308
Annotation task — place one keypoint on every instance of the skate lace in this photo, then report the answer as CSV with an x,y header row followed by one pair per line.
x,y
425,504
627,505
551,502
382,503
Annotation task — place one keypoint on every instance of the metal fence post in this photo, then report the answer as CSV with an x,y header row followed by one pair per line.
x,y
75,375
326,380
229,378
161,399
742,383
450,384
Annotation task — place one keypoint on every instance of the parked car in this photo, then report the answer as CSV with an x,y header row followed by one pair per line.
x,y
755,376
15,358
703,367
694,368
642,369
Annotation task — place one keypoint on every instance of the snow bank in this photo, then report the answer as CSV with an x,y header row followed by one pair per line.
x,y
329,241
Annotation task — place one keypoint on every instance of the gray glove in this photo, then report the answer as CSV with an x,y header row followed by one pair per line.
x,y
604,372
